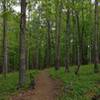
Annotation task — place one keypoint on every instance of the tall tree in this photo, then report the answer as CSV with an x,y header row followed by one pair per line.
x,y
58,31
22,44
47,59
67,39
48,45
78,43
96,54
82,36
5,51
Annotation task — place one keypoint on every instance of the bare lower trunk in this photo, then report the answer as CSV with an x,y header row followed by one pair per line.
x,y
78,60
37,58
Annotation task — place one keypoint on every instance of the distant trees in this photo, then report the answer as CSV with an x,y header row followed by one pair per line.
x,y
52,37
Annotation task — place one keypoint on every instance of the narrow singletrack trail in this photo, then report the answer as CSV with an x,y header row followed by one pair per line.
x,y
45,89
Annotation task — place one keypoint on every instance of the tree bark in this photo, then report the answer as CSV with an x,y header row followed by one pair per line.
x,y
81,38
58,32
22,67
67,41
48,48
5,49
96,53
78,43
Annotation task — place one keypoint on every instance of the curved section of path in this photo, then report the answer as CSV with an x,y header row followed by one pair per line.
x,y
45,89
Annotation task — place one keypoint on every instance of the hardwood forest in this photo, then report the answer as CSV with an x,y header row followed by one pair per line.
x,y
49,50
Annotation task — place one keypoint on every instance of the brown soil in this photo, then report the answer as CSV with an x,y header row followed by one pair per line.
x,y
45,89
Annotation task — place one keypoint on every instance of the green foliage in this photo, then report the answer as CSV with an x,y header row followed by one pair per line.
x,y
84,86
38,12
9,85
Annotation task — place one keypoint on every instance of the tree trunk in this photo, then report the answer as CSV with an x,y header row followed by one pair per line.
x,y
81,38
48,39
74,38
22,44
67,40
58,32
78,43
5,49
96,54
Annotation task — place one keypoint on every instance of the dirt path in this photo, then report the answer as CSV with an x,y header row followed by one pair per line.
x,y
45,89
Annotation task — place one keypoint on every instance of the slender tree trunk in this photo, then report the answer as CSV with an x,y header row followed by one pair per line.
x,y
58,32
37,58
5,49
81,38
22,67
37,51
96,54
48,51
67,40
29,37
74,35
78,44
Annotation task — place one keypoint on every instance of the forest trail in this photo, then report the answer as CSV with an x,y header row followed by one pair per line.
x,y
45,89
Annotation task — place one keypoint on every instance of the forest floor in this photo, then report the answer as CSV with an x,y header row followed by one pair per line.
x,y
45,89
83,86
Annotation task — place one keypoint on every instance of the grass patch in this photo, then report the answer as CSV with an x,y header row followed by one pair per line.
x,y
81,87
8,85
